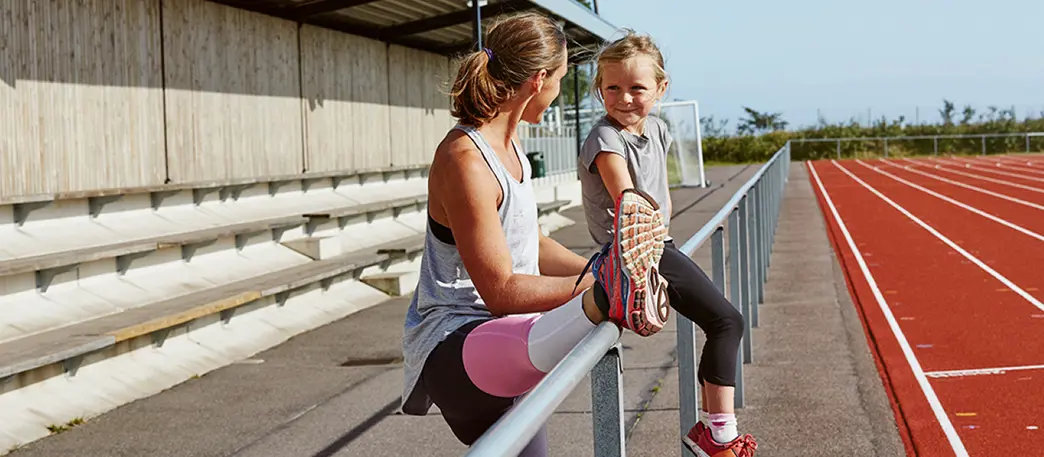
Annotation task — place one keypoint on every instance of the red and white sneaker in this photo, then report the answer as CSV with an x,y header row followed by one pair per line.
x,y
627,268
701,442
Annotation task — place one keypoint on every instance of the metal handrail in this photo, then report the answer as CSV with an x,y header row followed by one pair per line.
x,y
510,434
751,216
918,137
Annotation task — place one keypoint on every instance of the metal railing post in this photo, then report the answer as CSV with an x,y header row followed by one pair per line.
x,y
760,228
750,314
607,405
736,297
718,266
689,390
753,220
766,227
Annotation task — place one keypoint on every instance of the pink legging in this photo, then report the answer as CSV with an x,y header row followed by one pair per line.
x,y
506,357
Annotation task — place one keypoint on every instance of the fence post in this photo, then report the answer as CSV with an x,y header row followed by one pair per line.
x,y
839,149
984,145
718,263
1027,143
762,217
689,391
607,405
755,248
750,313
736,293
936,146
886,147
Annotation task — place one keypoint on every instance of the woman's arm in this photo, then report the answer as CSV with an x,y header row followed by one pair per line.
x,y
556,260
472,216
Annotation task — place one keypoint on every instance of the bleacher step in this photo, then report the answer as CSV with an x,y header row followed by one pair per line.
x,y
64,343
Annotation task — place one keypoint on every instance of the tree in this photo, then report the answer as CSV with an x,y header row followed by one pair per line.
x,y
568,95
758,122
946,113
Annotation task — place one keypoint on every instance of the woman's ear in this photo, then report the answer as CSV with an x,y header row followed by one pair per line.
x,y
538,80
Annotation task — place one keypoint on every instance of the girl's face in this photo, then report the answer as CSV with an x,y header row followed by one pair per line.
x,y
545,90
629,89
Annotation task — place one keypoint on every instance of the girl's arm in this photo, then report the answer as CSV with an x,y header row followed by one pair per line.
x,y
613,170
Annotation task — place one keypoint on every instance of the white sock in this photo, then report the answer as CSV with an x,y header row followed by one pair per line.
x,y
723,427
705,418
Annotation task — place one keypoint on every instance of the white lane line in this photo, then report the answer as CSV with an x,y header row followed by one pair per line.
x,y
915,366
1017,228
980,371
1005,165
972,175
990,170
1007,282
968,186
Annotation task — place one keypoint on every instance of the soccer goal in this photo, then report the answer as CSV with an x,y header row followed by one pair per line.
x,y
685,159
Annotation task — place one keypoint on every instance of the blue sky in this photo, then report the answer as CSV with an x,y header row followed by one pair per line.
x,y
845,57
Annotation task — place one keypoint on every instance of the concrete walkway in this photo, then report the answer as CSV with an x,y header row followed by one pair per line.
x,y
812,390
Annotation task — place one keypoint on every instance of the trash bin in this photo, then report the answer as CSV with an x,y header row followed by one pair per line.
x,y
536,162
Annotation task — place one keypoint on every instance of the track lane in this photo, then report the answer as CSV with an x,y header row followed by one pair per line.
x,y
996,294
954,317
1024,213
991,171
995,184
922,420
1013,167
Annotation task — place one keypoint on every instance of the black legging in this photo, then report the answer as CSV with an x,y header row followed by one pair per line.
x,y
693,295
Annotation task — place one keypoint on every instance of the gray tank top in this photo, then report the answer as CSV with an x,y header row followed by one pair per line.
x,y
446,298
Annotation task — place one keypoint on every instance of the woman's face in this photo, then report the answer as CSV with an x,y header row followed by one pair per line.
x,y
547,90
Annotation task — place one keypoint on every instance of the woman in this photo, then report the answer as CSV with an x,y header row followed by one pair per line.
x,y
497,304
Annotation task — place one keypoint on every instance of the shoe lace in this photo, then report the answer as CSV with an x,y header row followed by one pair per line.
x,y
594,258
745,446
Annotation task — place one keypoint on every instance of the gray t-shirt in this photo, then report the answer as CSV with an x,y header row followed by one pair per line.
x,y
646,157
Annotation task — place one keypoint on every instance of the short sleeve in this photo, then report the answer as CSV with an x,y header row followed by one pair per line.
x,y
665,136
602,138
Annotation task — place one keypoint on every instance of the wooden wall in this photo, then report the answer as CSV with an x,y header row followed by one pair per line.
x,y
81,100
121,93
232,92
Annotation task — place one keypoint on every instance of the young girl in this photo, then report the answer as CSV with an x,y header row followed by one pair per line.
x,y
628,148
498,305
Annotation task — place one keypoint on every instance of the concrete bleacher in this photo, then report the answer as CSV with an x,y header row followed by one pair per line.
x,y
115,295
94,285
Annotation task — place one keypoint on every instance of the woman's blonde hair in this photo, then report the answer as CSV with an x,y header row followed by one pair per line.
x,y
630,45
513,50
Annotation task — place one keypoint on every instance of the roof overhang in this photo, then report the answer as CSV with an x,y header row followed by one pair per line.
x,y
440,26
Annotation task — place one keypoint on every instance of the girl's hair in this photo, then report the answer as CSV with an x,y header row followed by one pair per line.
x,y
514,49
631,45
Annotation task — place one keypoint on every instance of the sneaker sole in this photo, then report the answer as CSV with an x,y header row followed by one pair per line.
x,y
640,235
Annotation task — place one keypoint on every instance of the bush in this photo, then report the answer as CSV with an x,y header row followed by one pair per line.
x,y
759,147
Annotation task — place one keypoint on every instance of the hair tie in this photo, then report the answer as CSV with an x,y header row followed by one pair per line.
x,y
489,53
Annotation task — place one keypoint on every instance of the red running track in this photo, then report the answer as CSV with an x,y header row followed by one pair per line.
x,y
950,287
